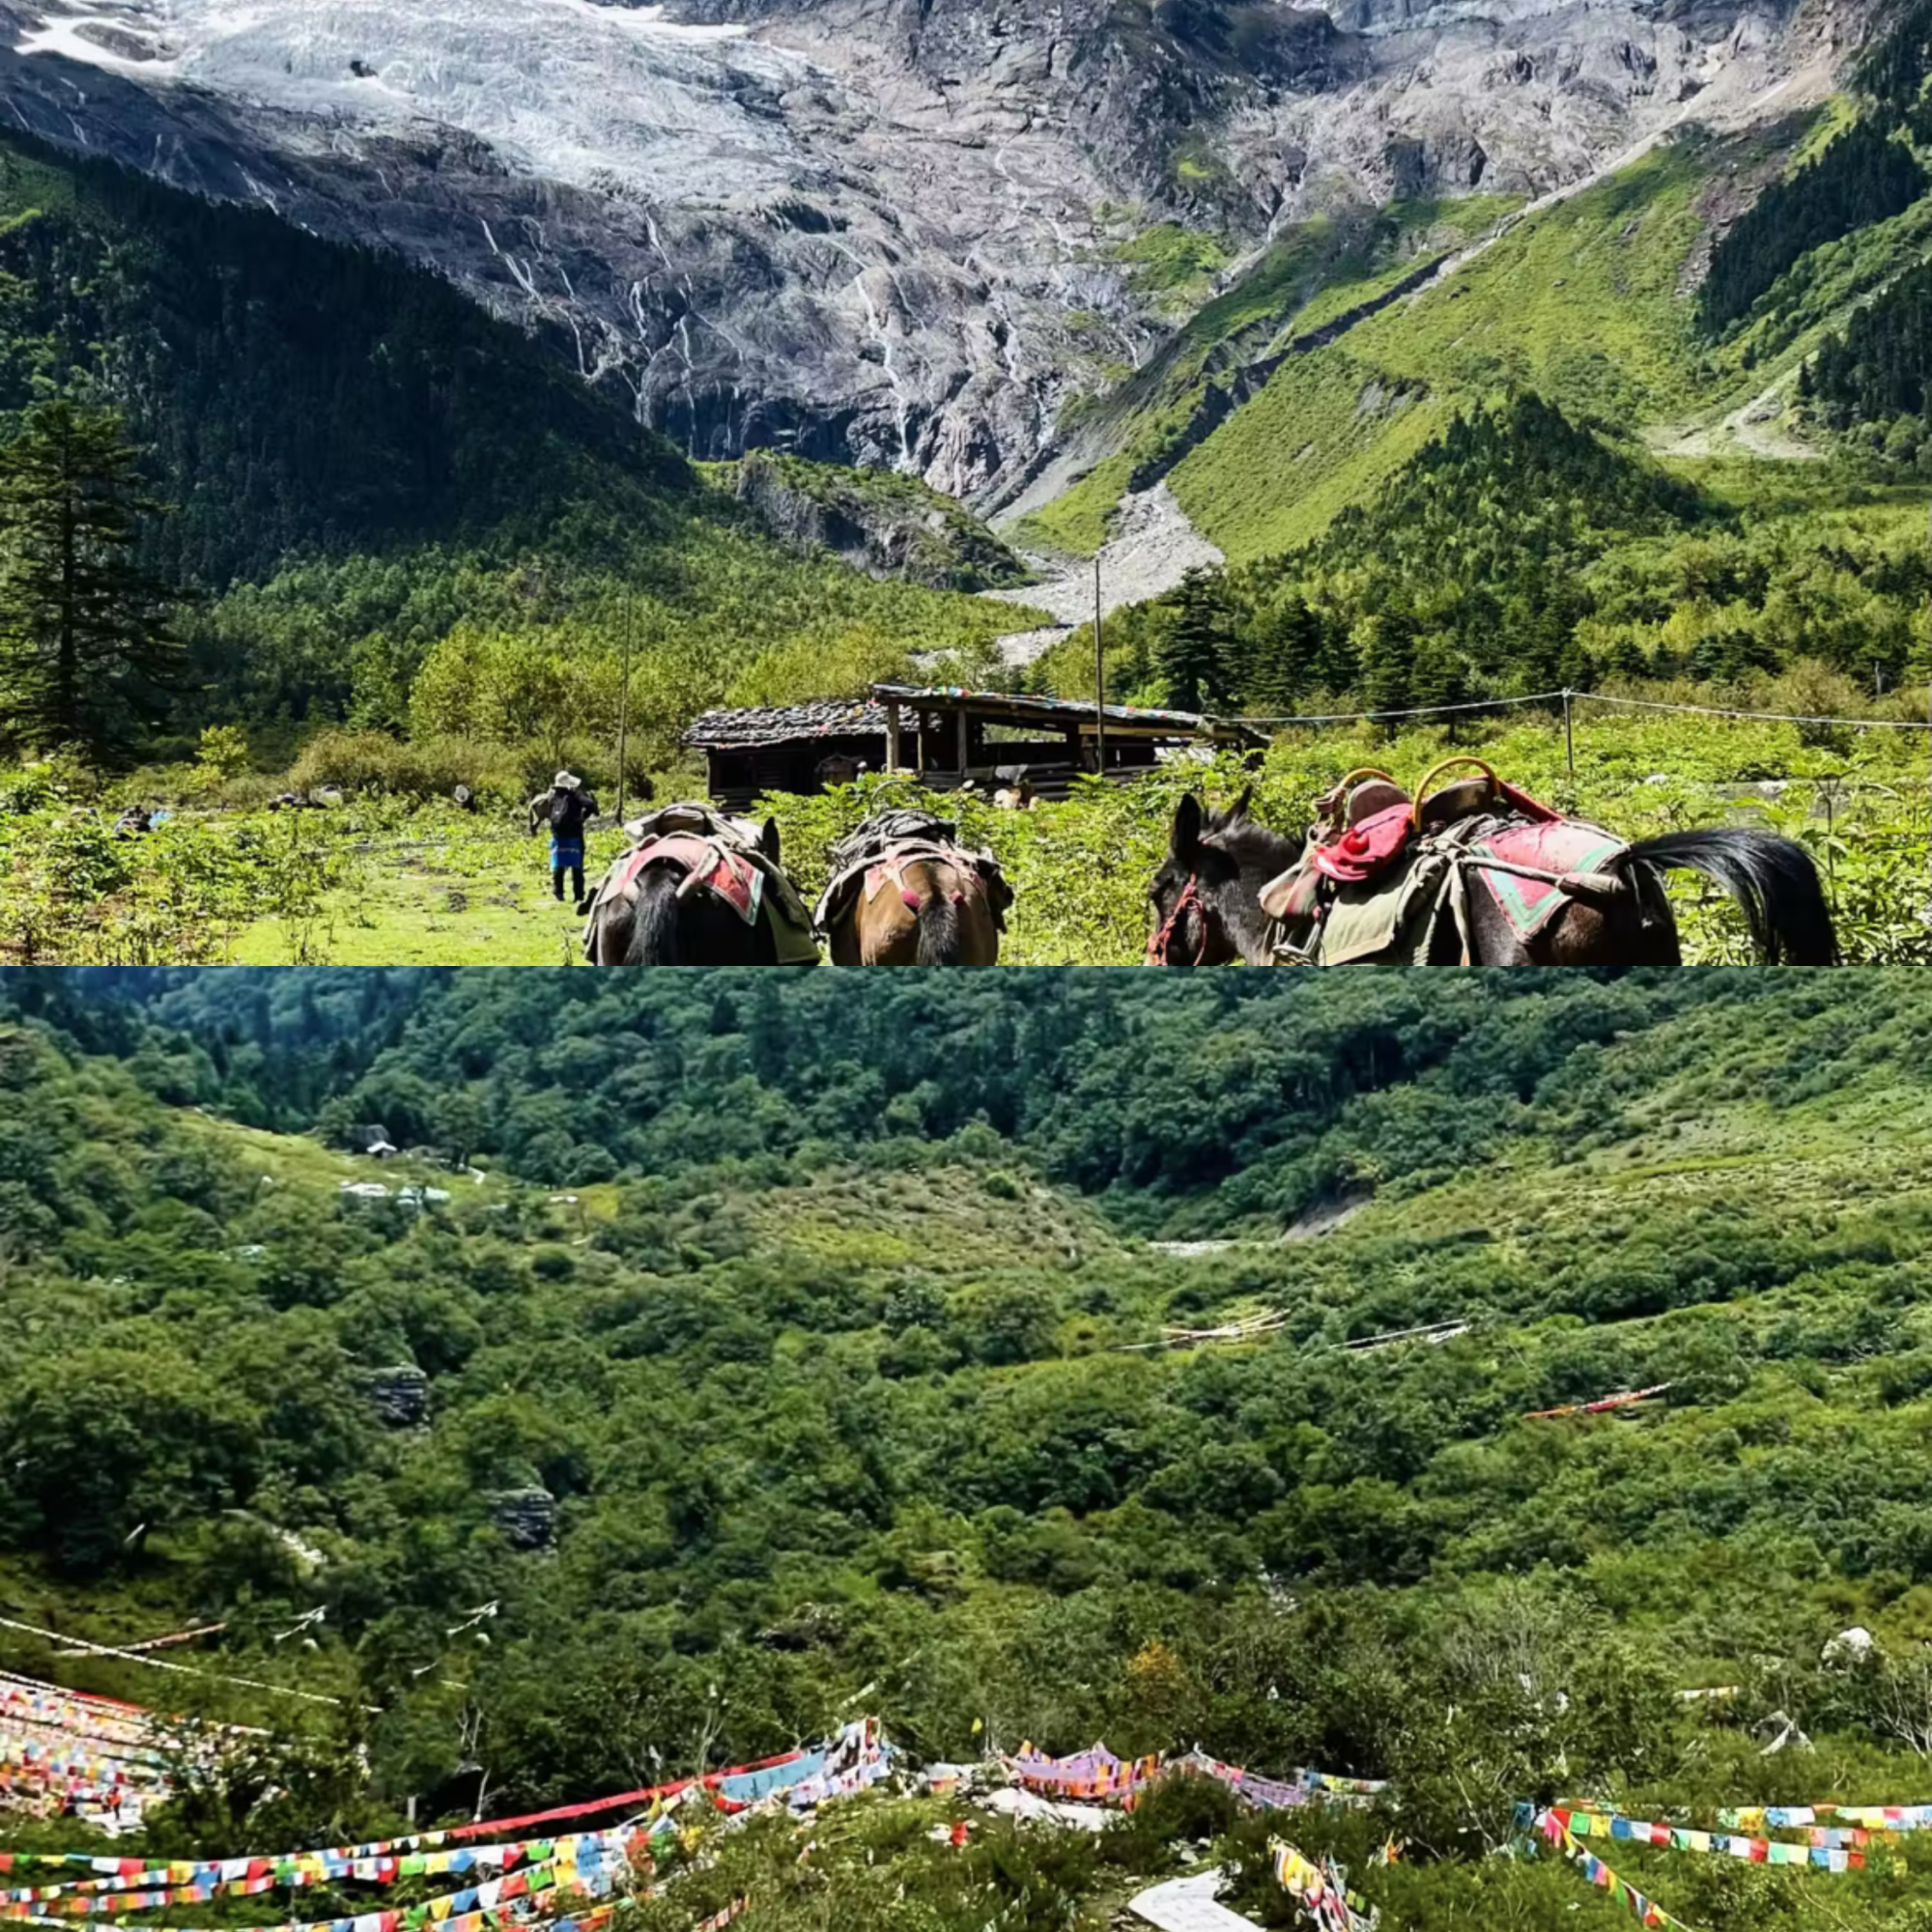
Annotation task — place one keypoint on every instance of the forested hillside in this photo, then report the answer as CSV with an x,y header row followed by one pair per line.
x,y
1521,550
1862,177
365,475
1232,1104
299,396
812,1373
1427,475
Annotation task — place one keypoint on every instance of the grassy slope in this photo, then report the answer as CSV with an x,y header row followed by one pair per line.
x,y
1579,301
439,892
1303,280
1587,301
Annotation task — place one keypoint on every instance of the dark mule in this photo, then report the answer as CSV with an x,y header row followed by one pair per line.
x,y
1207,901
665,926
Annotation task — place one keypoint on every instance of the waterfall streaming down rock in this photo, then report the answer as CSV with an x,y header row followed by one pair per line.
x,y
705,203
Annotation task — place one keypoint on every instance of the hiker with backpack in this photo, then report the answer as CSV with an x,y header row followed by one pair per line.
x,y
566,808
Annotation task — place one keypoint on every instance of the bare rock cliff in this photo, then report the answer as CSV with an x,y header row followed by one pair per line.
x,y
874,232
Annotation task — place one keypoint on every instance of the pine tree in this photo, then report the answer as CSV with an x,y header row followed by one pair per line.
x,y
1438,676
1284,657
1194,654
82,648
1388,641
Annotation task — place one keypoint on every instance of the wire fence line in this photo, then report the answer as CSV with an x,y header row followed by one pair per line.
x,y
484,833
1583,698
1416,711
1767,717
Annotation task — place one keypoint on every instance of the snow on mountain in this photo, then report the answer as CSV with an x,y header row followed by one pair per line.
x,y
867,230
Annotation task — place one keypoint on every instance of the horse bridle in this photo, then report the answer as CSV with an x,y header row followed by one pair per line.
x,y
1160,946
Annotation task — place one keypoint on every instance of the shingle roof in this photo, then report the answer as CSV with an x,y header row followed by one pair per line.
x,y
865,717
782,724
1059,709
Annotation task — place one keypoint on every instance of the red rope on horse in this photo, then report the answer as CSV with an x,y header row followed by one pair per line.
x,y
1160,946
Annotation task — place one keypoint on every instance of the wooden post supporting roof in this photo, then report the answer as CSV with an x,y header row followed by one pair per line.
x,y
894,757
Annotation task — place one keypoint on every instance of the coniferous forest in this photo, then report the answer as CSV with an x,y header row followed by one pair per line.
x,y
335,465
1864,176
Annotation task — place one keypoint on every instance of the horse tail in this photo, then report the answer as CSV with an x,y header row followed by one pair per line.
x,y
939,936
656,937
1773,881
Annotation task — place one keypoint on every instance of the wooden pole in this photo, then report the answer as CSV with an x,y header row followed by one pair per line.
x,y
624,711
1568,738
894,756
1099,681
965,748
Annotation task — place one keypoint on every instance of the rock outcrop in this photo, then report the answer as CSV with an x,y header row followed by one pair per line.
x,y
527,1517
883,525
873,232
400,1396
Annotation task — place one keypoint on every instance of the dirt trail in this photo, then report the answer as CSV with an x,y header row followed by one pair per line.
x,y
1753,429
1152,547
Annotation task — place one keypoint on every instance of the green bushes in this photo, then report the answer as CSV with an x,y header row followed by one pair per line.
x,y
375,763
835,1424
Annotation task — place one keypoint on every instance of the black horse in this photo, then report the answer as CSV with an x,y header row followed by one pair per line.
x,y
1207,911
662,923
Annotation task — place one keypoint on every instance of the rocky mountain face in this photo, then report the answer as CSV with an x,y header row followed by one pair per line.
x,y
886,525
876,232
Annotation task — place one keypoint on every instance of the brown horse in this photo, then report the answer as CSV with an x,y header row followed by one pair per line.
x,y
661,919
904,893
1208,902
935,913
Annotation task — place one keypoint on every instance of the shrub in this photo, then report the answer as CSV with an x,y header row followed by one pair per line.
x,y
374,763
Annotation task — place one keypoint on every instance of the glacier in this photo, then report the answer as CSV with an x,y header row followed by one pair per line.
x,y
871,231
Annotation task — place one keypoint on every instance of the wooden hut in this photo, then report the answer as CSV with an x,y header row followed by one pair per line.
x,y
945,737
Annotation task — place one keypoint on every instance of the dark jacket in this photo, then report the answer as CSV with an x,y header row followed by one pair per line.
x,y
568,822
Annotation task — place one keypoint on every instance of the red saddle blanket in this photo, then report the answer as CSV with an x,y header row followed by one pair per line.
x,y
729,875
1371,848
1366,849
1566,846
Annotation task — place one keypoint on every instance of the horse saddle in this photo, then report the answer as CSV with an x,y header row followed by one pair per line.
x,y
891,871
1381,825
719,855
875,857
1368,847
1378,825
706,863
695,819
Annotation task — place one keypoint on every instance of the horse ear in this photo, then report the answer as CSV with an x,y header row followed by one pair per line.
x,y
1186,830
1241,805
768,841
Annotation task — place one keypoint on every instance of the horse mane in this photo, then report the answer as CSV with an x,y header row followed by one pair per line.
x,y
1252,845
1260,856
